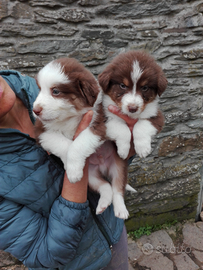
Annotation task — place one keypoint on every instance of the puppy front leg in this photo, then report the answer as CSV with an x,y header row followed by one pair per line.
x,y
120,133
81,148
56,144
143,132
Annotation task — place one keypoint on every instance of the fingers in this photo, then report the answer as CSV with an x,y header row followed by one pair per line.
x,y
84,123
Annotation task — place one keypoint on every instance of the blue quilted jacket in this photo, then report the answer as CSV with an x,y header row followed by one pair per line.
x,y
37,225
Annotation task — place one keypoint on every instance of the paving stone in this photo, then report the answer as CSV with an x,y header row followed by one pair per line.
x,y
159,240
199,225
193,236
183,262
130,267
198,255
156,261
134,253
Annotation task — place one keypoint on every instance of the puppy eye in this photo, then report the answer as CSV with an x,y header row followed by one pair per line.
x,y
145,88
122,86
55,92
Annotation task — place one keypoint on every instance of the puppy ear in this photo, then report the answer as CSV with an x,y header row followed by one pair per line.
x,y
162,84
89,90
104,80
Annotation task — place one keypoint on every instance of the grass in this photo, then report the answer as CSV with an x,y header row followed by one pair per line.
x,y
147,230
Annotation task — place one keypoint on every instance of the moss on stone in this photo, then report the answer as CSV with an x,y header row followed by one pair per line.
x,y
140,220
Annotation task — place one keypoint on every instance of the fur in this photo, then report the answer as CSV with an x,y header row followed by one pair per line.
x,y
133,82
67,91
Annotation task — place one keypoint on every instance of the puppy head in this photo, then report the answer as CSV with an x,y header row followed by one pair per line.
x,y
132,81
67,89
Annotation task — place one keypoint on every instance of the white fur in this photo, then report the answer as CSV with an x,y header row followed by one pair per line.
x,y
85,145
131,189
136,73
56,143
117,130
54,109
58,116
60,120
143,132
150,110
102,186
120,209
132,99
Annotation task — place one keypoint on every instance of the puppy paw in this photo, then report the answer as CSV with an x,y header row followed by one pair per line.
x,y
121,212
102,205
74,172
123,150
120,209
106,196
143,149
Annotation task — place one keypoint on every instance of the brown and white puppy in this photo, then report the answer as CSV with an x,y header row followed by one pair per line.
x,y
67,91
133,82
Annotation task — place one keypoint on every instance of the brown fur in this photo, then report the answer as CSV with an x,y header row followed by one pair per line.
x,y
119,71
158,121
98,126
122,166
83,84
151,83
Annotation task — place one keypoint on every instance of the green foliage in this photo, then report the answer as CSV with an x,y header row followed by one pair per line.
x,y
147,230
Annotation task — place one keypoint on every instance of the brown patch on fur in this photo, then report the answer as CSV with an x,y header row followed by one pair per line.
x,y
120,69
158,121
120,181
126,82
82,82
116,93
98,126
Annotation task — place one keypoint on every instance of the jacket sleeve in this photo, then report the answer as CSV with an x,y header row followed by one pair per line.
x,y
38,241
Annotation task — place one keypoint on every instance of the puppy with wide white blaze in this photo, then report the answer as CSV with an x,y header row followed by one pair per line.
x,y
67,91
132,82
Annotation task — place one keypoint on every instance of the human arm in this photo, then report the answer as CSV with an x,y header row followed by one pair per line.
x,y
37,236
77,192
37,225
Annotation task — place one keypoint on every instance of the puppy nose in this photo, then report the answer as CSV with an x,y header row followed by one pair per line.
x,y
132,109
37,110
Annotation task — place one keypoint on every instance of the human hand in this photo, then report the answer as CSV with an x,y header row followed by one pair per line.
x,y
84,123
77,192
130,123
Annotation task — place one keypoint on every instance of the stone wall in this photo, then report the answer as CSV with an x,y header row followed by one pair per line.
x,y
33,32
